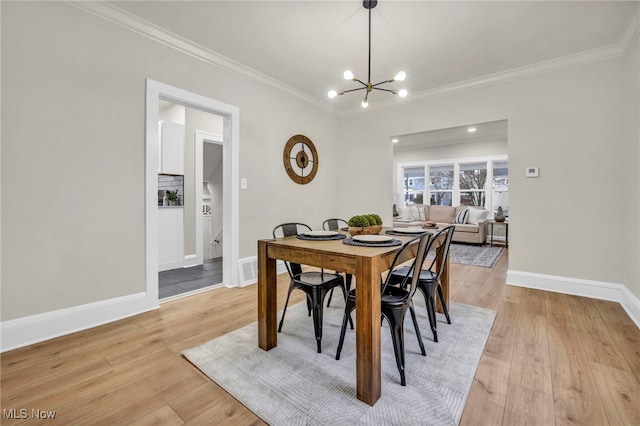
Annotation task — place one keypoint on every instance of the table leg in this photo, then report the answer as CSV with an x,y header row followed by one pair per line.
x,y
506,235
267,299
491,245
368,316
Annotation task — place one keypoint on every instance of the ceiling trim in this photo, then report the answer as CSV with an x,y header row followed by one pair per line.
x,y
620,48
120,17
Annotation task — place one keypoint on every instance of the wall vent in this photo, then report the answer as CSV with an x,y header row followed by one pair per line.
x,y
249,270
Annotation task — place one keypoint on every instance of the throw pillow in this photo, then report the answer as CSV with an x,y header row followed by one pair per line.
x,y
461,216
441,214
476,215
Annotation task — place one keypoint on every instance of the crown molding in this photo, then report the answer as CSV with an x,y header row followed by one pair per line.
x,y
124,19
557,64
632,31
620,48
133,23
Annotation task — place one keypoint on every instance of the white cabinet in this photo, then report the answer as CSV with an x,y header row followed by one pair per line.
x,y
170,238
170,148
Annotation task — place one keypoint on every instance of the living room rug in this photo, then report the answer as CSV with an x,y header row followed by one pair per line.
x,y
294,385
475,255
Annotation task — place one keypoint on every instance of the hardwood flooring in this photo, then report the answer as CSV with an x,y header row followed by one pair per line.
x,y
551,359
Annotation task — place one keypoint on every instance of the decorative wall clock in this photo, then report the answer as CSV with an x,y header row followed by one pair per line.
x,y
300,159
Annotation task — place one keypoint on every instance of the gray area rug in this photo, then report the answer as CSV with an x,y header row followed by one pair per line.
x,y
475,255
293,385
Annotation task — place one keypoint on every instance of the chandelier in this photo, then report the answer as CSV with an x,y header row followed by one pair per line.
x,y
348,75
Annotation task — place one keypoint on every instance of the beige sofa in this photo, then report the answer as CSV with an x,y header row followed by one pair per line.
x,y
473,230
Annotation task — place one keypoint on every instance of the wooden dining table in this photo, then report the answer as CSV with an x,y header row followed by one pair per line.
x,y
366,264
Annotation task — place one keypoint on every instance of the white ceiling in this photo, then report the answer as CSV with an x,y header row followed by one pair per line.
x,y
494,130
307,45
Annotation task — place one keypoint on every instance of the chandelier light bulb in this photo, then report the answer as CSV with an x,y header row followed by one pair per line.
x,y
400,76
368,86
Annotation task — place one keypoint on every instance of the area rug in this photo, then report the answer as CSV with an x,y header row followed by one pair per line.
x,y
475,255
294,385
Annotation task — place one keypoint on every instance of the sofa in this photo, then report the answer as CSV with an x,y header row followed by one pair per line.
x,y
469,221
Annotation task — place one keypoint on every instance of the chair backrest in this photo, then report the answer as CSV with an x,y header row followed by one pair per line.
x,y
334,224
443,241
290,229
425,242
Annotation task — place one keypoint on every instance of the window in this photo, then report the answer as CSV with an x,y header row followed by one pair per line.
x,y
500,187
473,184
441,185
414,185
479,181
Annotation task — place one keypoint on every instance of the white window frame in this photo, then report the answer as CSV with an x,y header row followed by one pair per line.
x,y
455,201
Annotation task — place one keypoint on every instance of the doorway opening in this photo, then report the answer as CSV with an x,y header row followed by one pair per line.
x,y
193,217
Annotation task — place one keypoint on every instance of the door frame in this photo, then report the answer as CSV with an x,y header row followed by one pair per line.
x,y
200,139
231,129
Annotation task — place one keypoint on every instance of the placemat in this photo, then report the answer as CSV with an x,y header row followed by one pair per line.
x,y
323,238
352,242
407,234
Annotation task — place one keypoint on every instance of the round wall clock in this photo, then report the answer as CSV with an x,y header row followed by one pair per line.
x,y
300,159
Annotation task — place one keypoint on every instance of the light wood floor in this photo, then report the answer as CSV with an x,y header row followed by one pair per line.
x,y
550,359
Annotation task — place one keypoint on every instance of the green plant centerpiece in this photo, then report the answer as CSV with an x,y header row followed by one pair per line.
x,y
369,224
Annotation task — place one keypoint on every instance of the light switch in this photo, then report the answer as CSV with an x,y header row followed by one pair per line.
x,y
243,183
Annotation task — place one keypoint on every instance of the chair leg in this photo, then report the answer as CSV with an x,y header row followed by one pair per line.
x,y
348,278
284,311
431,310
330,296
347,316
444,305
395,316
415,325
344,293
317,301
431,314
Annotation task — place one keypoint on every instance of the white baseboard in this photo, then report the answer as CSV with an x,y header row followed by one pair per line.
x,y
579,287
37,328
190,260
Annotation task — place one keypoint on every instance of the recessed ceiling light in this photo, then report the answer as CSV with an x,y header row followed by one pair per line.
x,y
395,140
471,129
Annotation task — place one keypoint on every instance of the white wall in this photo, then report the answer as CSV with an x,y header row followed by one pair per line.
x,y
73,95
568,123
75,84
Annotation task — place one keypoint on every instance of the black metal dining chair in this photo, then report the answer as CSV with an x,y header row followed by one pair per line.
x,y
395,300
336,224
429,279
315,284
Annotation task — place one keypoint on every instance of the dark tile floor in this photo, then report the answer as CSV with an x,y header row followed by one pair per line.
x,y
182,280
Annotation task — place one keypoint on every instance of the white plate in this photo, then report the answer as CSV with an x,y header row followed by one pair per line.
x,y
372,238
408,230
320,233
